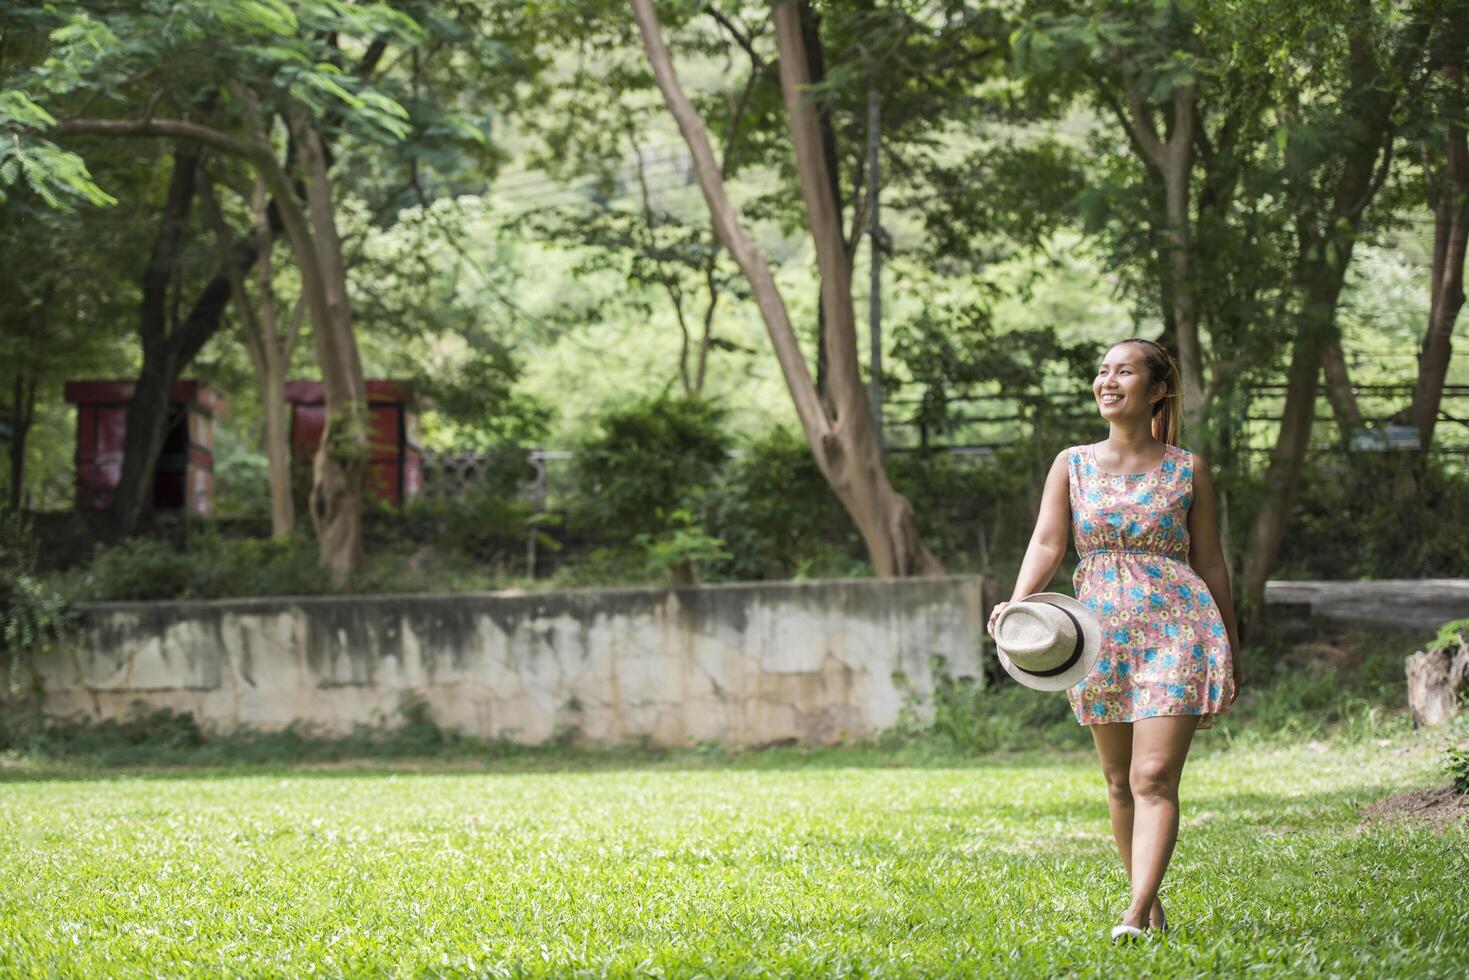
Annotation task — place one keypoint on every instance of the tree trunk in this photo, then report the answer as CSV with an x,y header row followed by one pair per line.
x,y
341,462
339,470
1326,243
270,356
1173,161
1267,530
845,446
1339,392
1450,199
147,411
206,317
816,65
270,353
1438,679
25,414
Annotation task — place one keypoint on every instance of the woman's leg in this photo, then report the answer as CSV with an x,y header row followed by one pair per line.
x,y
1159,747
1114,748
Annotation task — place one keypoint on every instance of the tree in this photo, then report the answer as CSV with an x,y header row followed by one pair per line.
x,y
305,74
1337,157
57,321
1446,180
269,339
1190,86
842,438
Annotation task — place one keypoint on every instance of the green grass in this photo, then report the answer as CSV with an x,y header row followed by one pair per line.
x,y
853,862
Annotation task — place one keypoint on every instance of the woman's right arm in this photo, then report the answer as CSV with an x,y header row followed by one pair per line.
x,y
1048,542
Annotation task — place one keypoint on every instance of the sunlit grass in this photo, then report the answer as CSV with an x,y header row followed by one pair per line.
x,y
766,864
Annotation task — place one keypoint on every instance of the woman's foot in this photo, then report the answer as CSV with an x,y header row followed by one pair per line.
x,y
1157,918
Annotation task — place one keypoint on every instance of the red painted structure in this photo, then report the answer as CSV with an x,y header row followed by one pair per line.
x,y
184,475
395,467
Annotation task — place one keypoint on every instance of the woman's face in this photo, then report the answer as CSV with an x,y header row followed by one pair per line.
x,y
1121,385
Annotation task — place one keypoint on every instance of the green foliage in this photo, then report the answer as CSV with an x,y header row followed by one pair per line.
x,y
953,349
1456,762
1345,526
486,526
1287,698
213,566
58,177
33,616
969,513
163,736
644,461
974,719
1450,634
1353,688
682,545
775,512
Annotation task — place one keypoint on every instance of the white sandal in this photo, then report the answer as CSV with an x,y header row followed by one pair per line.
x,y
1125,933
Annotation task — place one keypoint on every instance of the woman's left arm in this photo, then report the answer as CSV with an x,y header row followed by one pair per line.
x,y
1206,555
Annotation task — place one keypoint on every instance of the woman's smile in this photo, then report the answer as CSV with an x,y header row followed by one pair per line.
x,y
1121,384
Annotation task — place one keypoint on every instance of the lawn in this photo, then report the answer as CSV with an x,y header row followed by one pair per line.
x,y
835,863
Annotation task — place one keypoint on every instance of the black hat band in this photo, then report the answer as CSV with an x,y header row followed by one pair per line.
x,y
1075,654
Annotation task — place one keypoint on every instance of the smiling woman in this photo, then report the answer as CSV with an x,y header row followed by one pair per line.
x,y
1141,510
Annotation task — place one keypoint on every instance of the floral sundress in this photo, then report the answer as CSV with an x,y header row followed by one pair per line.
x,y
1164,647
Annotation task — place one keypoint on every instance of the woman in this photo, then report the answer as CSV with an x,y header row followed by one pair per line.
x,y
1152,569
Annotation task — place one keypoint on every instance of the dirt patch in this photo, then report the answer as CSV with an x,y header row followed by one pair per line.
x,y
1441,807
1318,655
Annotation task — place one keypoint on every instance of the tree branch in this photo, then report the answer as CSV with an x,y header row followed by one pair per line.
x,y
175,128
814,420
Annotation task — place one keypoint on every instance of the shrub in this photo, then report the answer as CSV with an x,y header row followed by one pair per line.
x,y
1003,716
486,525
776,515
162,736
211,567
32,614
645,461
1456,762
1345,526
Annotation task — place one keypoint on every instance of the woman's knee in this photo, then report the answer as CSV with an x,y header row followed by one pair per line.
x,y
1119,784
1152,777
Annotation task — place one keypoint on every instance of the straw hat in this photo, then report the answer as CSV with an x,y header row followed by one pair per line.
x,y
1048,641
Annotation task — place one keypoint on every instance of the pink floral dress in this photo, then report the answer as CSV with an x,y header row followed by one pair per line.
x,y
1164,647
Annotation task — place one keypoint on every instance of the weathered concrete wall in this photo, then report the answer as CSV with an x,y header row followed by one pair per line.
x,y
739,664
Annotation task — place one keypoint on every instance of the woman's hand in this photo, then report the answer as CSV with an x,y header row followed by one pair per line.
x,y
994,614
1239,682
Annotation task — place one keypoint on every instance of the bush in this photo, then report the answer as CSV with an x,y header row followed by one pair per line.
x,y
162,736
776,515
216,567
211,567
1456,763
1287,697
488,526
646,463
1003,716
1344,526
32,614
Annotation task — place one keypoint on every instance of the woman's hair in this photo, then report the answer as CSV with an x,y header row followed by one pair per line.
x,y
1168,410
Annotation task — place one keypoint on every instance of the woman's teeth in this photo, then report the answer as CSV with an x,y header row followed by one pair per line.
x,y
1111,399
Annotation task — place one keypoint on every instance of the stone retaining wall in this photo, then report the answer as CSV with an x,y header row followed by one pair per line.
x,y
740,664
